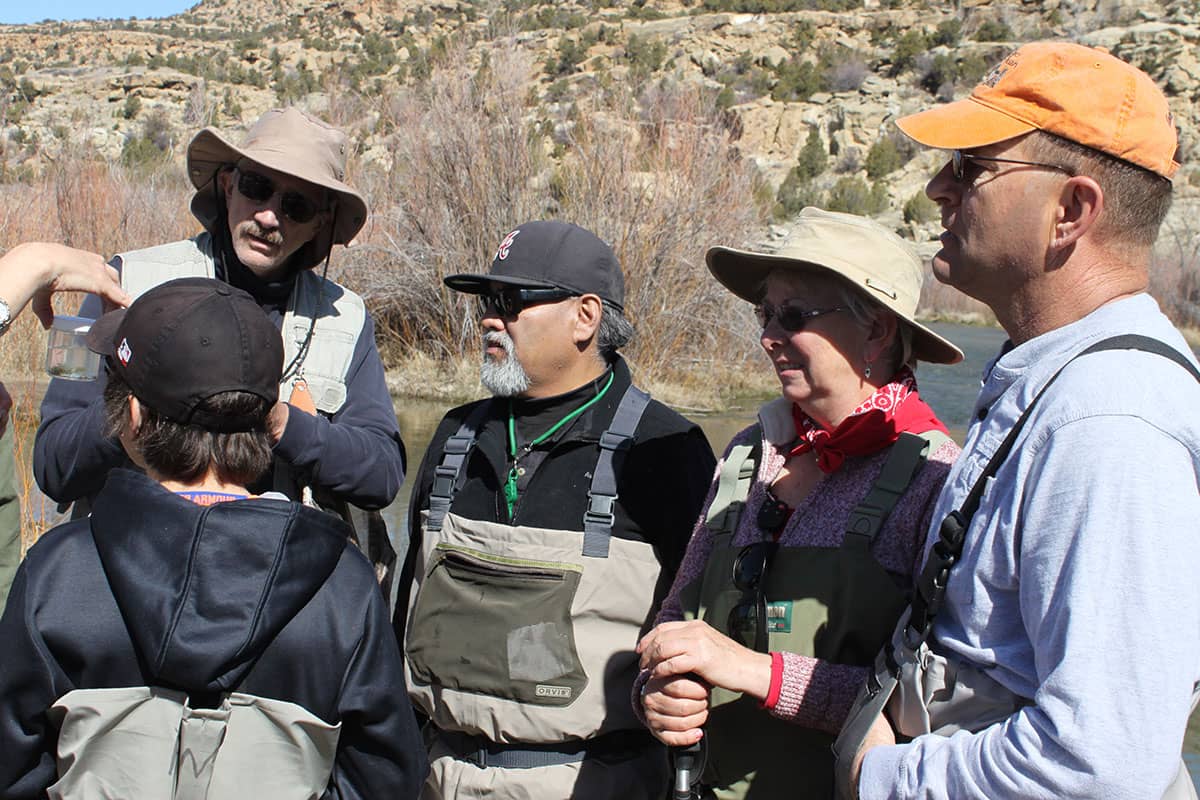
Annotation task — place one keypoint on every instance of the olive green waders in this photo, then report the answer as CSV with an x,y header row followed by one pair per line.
x,y
834,603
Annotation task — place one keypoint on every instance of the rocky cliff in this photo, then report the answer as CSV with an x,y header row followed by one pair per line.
x,y
810,87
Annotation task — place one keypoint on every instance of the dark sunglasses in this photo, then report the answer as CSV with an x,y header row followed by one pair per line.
x,y
958,165
258,188
750,578
509,303
791,316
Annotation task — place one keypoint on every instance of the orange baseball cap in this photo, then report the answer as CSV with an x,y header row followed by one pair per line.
x,y
1079,93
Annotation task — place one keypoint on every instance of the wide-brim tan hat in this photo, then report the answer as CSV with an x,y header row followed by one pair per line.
x,y
290,141
879,264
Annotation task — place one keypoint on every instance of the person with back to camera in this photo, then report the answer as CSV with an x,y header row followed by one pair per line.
x,y
1053,647
188,639
272,208
805,554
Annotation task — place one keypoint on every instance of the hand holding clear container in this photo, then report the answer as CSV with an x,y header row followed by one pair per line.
x,y
67,354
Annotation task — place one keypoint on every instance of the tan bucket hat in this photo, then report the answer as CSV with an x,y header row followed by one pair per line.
x,y
879,264
295,143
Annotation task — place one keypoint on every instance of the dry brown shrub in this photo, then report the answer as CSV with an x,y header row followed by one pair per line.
x,y
91,205
652,175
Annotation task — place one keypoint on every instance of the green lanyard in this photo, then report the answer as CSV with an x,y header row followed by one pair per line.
x,y
510,485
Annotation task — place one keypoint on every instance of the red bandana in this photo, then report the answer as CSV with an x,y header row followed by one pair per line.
x,y
877,423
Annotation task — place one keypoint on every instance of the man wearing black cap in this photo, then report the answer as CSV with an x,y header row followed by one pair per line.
x,y
272,209
551,519
188,640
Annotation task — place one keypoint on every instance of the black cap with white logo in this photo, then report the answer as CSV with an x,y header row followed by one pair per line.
x,y
550,254
187,340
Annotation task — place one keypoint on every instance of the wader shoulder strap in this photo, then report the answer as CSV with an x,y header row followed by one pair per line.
x,y
446,476
905,460
733,484
602,495
931,586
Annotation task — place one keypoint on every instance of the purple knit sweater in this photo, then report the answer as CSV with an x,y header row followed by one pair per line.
x,y
814,692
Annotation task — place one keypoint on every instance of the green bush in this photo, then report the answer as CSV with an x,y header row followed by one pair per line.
x,y
813,159
570,54
797,80
908,47
645,55
133,104
138,152
852,195
795,193
993,30
919,208
948,32
883,158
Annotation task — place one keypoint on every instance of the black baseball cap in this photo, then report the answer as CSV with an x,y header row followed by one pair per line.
x,y
549,254
188,339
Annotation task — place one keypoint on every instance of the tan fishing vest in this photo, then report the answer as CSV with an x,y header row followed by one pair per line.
x,y
325,366
525,636
340,314
147,743
837,604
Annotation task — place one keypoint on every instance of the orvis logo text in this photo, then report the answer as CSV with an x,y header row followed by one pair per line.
x,y
542,690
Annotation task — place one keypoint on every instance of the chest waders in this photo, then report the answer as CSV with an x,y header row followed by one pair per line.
x,y
833,603
320,331
926,692
520,641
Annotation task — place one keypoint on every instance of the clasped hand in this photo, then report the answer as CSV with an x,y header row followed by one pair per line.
x,y
684,659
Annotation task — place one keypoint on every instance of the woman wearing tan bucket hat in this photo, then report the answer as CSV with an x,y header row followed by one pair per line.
x,y
805,554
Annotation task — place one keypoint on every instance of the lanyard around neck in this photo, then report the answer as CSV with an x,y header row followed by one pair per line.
x,y
510,485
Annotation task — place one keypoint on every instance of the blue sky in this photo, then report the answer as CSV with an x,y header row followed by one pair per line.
x,y
24,11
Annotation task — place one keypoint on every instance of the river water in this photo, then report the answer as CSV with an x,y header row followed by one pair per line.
x,y
949,390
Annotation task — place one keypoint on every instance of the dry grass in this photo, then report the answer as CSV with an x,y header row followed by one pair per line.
x,y
90,205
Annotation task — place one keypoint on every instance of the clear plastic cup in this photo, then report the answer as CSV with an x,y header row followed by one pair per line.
x,y
67,354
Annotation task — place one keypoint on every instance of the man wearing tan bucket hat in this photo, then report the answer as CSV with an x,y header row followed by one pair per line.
x,y
1053,647
272,210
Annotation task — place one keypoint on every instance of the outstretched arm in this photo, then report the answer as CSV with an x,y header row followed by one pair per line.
x,y
34,271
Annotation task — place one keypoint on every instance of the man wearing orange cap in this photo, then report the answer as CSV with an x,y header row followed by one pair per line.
x,y
1053,647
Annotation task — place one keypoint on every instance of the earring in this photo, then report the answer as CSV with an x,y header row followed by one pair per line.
x,y
867,371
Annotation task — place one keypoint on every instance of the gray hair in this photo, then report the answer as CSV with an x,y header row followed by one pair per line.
x,y
865,313
614,332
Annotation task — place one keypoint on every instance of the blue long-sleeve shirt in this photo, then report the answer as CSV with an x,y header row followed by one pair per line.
x,y
1077,588
356,454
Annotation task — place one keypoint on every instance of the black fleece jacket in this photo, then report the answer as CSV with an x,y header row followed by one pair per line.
x,y
262,596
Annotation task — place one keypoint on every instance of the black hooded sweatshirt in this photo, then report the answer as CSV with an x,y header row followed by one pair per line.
x,y
260,596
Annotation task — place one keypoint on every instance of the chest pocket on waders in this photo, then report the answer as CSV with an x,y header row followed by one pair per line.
x,y
497,625
493,612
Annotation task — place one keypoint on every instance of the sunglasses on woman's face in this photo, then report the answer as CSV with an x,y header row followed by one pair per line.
x,y
258,188
509,303
790,314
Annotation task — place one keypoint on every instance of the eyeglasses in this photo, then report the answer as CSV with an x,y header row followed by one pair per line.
x,y
509,303
750,574
791,316
958,159
750,578
258,188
